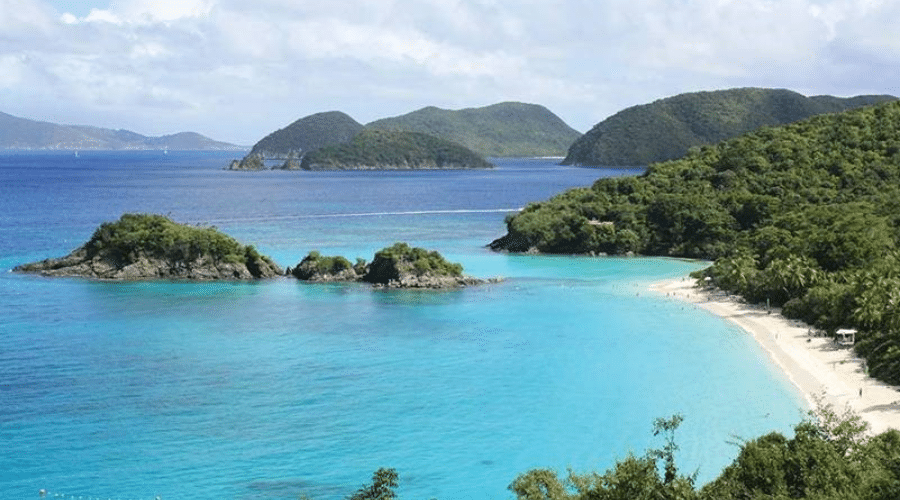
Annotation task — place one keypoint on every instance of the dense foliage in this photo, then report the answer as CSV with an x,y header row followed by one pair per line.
x,y
805,215
829,457
318,267
307,134
384,481
147,235
399,264
380,149
509,129
666,129
392,262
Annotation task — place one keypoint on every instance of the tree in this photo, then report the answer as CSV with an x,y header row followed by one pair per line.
x,y
633,478
539,484
667,426
382,488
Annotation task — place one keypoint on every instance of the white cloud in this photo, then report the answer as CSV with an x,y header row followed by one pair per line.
x,y
205,61
21,20
144,12
12,71
150,11
102,16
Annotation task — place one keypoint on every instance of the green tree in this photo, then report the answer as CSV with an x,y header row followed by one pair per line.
x,y
539,484
384,481
633,478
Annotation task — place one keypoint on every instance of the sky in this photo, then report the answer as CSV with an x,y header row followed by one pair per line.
x,y
236,70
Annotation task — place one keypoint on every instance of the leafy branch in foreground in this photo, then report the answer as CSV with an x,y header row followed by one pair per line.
x,y
830,457
382,488
633,478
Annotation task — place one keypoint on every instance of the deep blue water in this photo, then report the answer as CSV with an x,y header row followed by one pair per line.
x,y
271,390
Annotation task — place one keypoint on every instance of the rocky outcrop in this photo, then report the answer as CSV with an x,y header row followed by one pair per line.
x,y
318,268
251,162
143,247
399,266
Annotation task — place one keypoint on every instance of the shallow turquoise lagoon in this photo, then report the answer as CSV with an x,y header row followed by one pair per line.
x,y
271,390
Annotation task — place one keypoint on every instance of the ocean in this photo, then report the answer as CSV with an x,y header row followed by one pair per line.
x,y
277,389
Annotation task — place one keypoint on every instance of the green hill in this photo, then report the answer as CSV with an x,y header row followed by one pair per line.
x,y
508,129
805,216
307,134
22,133
666,129
385,150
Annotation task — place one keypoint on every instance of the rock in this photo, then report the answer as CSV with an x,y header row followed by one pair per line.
x,y
317,268
291,164
250,162
143,246
399,266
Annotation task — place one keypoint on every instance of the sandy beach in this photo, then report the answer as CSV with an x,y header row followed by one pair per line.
x,y
816,365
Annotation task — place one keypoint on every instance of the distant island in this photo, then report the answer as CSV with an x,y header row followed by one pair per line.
x,y
147,246
305,135
398,266
384,150
666,129
21,133
509,129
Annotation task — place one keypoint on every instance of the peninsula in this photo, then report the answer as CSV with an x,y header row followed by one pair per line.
x,y
146,246
398,266
801,216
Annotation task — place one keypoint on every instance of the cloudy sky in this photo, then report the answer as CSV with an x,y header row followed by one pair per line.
x,y
235,70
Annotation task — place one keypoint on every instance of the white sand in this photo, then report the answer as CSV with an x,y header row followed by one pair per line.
x,y
816,365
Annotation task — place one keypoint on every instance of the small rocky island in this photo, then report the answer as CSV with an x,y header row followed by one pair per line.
x,y
398,266
146,246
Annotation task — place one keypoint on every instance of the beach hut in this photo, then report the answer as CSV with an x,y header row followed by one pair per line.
x,y
845,337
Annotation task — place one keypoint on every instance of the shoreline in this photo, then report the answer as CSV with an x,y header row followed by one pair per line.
x,y
815,365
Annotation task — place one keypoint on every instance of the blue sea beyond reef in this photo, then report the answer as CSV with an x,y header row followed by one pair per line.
x,y
270,390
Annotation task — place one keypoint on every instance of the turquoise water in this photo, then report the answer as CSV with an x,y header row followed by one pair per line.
x,y
275,389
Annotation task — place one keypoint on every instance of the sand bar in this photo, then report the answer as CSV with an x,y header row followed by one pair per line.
x,y
816,365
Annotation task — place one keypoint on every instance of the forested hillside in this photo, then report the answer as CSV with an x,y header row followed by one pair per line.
x,y
666,129
381,150
805,215
502,130
307,134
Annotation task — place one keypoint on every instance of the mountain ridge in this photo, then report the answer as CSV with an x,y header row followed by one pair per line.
x,y
24,133
505,129
667,128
